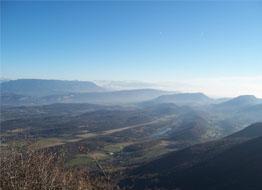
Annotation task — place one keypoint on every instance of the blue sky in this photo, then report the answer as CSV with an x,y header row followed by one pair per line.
x,y
147,41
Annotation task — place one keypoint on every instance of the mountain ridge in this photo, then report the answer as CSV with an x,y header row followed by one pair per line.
x,y
45,87
184,99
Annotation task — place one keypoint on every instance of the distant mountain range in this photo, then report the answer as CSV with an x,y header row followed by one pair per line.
x,y
184,99
40,92
37,87
115,97
240,101
125,85
230,163
112,97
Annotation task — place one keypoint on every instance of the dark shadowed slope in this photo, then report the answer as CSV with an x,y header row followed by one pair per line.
x,y
252,131
230,163
239,167
37,87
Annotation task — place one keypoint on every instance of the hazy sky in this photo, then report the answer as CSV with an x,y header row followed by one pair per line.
x,y
215,47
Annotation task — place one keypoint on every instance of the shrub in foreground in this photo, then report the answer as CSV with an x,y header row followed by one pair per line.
x,y
39,170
